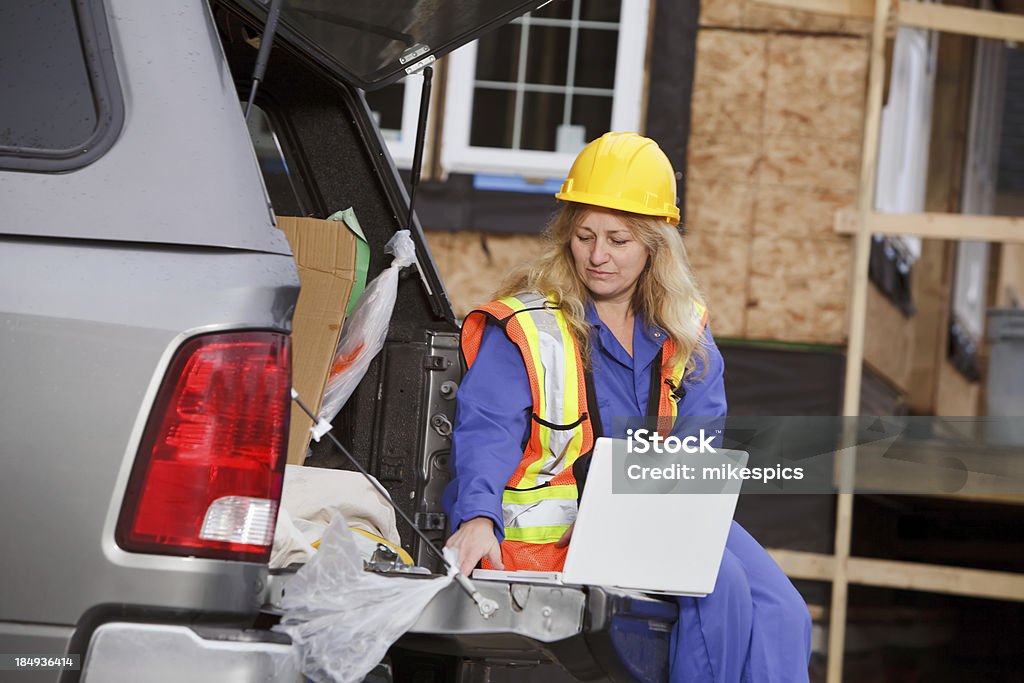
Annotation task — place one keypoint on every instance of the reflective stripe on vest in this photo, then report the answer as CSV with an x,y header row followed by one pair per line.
x,y
539,515
672,377
540,499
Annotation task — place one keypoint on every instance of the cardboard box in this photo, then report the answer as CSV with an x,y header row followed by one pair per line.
x,y
325,253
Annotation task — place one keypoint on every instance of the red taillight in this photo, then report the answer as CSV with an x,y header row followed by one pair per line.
x,y
208,476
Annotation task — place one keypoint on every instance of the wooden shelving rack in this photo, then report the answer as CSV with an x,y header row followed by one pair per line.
x,y
840,569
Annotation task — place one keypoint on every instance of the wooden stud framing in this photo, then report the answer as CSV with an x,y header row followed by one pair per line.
x,y
855,347
971,22
866,200
804,565
858,9
945,226
937,579
913,576
861,221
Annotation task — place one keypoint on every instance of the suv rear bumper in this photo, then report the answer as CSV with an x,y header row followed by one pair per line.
x,y
155,653
593,632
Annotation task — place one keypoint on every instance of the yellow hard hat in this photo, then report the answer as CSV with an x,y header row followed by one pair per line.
x,y
623,171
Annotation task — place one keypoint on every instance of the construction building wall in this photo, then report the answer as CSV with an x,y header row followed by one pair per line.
x,y
774,152
777,111
473,264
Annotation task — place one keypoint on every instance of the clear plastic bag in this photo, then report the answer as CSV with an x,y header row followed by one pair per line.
x,y
342,618
365,330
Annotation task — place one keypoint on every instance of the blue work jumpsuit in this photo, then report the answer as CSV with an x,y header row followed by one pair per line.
x,y
755,625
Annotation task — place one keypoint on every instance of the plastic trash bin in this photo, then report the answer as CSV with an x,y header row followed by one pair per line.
x,y
1005,395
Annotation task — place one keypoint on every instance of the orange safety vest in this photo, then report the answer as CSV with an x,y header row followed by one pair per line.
x,y
540,499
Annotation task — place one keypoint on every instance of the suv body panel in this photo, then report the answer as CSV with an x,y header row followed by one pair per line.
x,y
107,270
183,170
88,335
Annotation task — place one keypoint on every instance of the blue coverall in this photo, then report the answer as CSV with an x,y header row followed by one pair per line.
x,y
755,625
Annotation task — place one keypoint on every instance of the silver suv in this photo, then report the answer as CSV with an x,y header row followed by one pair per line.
x,y
146,299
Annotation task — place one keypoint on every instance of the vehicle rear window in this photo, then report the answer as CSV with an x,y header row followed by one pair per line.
x,y
54,84
285,187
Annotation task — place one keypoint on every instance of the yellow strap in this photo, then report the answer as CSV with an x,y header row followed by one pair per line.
x,y
513,303
533,341
571,406
404,556
536,534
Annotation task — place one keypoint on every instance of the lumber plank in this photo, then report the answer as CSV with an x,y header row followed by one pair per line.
x,y
799,564
855,347
962,20
911,576
859,9
929,578
950,226
945,226
865,205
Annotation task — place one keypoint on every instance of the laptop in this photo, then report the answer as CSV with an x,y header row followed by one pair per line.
x,y
668,543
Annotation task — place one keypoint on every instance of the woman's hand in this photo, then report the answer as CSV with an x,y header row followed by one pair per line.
x,y
566,537
473,540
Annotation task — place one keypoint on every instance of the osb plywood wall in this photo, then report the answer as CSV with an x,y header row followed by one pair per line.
x,y
474,264
774,151
746,14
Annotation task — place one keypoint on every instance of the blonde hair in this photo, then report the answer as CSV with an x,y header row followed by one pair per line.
x,y
665,293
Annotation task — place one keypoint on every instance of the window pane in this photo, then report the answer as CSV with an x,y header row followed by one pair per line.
x,y
548,58
280,183
47,98
595,58
541,111
599,10
542,114
387,103
593,113
493,115
497,54
590,10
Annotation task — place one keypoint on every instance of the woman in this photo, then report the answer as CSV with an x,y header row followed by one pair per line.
x,y
607,323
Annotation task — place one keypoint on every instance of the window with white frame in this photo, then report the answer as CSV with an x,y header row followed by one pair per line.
x,y
526,98
396,109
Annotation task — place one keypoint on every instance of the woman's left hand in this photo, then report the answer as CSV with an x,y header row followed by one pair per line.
x,y
474,540
566,537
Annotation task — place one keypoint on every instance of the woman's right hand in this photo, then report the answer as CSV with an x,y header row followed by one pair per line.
x,y
475,539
